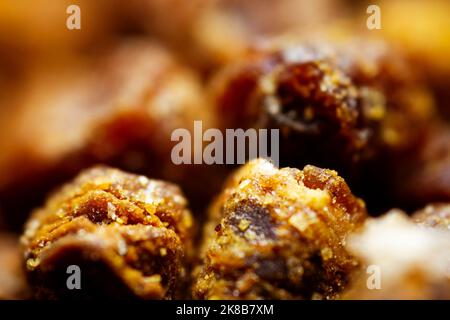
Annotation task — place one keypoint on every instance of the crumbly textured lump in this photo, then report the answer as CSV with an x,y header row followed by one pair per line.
x,y
356,100
279,234
131,237
411,262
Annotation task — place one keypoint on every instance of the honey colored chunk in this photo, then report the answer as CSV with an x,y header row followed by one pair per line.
x,y
401,260
356,99
278,234
348,105
129,235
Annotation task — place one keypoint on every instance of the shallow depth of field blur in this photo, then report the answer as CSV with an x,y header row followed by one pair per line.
x,y
57,84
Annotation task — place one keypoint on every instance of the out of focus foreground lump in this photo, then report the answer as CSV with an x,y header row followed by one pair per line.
x,y
412,261
130,236
279,234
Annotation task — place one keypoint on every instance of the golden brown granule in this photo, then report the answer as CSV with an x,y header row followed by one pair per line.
x,y
400,260
131,237
356,100
346,105
278,234
434,216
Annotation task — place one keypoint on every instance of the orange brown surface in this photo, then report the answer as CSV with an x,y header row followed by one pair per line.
x,y
130,236
279,234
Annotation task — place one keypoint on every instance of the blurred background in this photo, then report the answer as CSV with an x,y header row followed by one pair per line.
x,y
113,91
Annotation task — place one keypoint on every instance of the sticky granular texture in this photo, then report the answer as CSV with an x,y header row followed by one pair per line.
x,y
279,234
400,259
355,99
434,216
129,235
